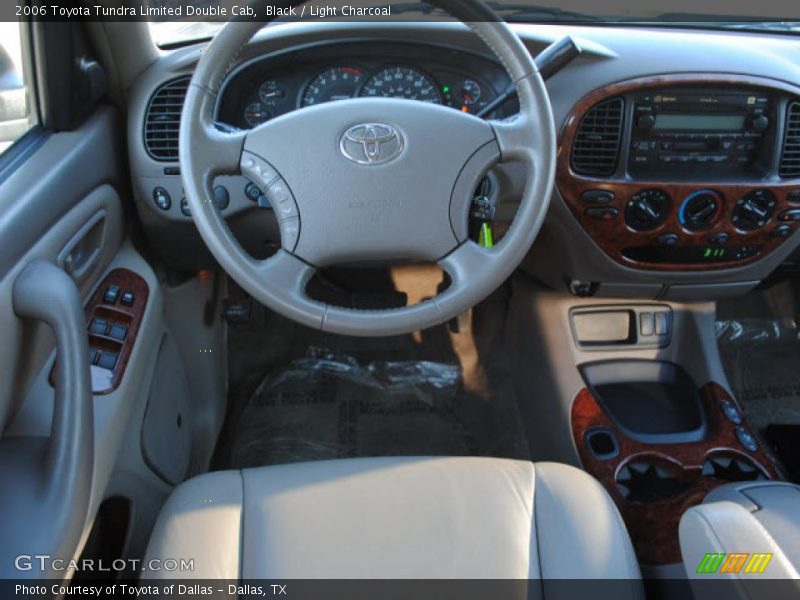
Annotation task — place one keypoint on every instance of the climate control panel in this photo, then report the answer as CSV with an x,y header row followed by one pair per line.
x,y
685,226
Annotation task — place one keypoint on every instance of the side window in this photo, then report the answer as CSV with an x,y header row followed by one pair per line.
x,y
17,114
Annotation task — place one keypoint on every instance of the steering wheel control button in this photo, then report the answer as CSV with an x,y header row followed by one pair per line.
x,y
185,208
602,214
161,198
730,412
258,170
111,295
290,232
252,192
746,439
597,196
98,326
221,197
282,200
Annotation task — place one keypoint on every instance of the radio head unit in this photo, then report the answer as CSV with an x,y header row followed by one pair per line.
x,y
705,133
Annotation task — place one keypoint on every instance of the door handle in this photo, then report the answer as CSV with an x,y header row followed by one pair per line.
x,y
82,251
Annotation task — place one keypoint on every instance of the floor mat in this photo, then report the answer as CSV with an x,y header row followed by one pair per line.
x,y
761,358
298,394
330,406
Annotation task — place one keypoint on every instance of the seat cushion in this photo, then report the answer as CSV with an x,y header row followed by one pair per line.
x,y
422,518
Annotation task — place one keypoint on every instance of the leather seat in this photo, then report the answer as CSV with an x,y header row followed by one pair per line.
x,y
422,518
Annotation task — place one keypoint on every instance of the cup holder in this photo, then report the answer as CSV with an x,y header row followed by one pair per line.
x,y
728,466
646,479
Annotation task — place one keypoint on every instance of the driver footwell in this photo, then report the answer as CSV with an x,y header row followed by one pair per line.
x,y
297,394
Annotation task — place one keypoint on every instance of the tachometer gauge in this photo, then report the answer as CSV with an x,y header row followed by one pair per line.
x,y
470,92
270,93
255,114
337,83
402,82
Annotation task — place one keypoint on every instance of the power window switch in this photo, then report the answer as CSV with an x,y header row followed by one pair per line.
x,y
127,298
98,326
662,323
118,332
92,355
107,360
111,295
646,325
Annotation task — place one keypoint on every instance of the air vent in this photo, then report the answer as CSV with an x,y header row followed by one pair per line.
x,y
163,120
790,160
596,147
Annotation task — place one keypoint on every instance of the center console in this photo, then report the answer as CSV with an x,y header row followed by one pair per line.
x,y
684,172
659,443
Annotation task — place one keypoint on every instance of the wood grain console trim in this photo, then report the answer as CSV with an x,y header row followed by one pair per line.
x,y
612,236
653,526
106,381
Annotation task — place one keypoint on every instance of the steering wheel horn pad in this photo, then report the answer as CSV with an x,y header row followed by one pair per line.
x,y
352,211
370,179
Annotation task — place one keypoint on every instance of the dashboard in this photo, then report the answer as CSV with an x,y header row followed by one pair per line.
x,y
269,87
678,171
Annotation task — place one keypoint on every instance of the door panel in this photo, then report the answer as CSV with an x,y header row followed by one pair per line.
x,y
61,205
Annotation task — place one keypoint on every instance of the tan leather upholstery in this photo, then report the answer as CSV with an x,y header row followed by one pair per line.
x,y
397,518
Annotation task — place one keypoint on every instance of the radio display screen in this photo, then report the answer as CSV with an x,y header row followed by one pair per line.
x,y
699,122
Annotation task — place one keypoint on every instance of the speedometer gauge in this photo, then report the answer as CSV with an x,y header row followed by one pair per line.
x,y
337,83
402,82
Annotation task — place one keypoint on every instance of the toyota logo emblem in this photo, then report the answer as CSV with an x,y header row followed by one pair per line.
x,y
371,143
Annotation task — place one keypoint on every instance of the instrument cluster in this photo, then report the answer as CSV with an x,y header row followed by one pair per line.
x,y
282,91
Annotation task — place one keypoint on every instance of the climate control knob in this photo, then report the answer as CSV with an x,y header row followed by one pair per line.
x,y
754,210
700,210
647,209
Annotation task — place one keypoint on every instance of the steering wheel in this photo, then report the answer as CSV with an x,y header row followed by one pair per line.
x,y
371,179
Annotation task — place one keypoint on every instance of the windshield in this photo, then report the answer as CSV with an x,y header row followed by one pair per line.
x,y
200,19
